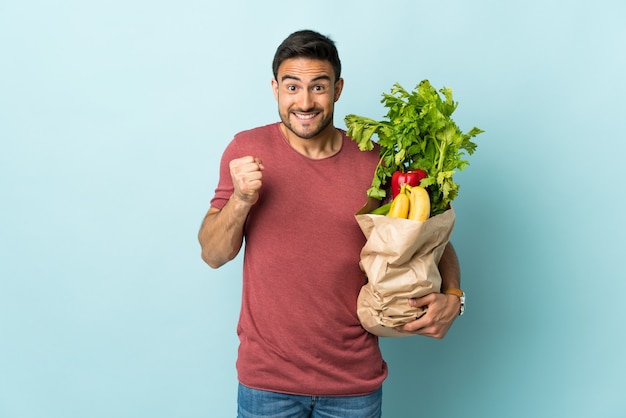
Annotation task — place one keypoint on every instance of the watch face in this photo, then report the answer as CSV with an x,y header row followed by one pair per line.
x,y
462,304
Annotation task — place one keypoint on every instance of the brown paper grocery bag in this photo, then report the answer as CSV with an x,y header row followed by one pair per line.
x,y
400,260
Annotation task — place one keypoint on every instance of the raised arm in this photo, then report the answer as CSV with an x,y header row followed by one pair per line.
x,y
221,232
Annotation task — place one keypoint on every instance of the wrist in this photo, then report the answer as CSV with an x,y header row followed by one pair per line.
x,y
241,204
458,293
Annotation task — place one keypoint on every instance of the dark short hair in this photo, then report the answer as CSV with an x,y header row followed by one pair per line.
x,y
307,44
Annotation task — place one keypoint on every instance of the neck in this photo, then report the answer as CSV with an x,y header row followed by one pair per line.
x,y
323,145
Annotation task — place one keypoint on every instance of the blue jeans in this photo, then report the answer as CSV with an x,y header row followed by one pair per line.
x,y
254,403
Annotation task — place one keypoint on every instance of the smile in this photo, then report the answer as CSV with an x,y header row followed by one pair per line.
x,y
305,116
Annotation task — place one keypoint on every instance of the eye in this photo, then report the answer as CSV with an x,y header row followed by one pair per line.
x,y
319,88
291,87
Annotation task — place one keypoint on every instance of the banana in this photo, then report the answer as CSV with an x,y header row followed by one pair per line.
x,y
419,204
400,205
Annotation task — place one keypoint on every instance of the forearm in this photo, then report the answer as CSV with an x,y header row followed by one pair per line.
x,y
221,233
449,269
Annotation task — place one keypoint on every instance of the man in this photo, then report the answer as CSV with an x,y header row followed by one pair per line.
x,y
290,190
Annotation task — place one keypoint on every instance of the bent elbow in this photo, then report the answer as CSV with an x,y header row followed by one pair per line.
x,y
211,262
215,261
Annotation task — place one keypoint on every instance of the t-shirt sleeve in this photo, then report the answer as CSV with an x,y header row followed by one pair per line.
x,y
225,188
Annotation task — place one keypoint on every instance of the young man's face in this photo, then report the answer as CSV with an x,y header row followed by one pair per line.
x,y
306,92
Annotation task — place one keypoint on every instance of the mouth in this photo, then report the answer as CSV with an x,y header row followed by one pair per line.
x,y
305,116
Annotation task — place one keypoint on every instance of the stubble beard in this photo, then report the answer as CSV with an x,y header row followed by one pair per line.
x,y
309,134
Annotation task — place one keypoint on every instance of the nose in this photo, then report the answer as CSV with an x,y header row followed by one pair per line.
x,y
306,100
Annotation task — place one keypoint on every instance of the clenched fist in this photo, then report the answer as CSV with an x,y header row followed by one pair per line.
x,y
246,173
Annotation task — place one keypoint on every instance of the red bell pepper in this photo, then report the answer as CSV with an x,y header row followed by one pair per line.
x,y
411,177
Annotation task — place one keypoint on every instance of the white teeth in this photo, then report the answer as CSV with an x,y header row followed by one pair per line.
x,y
305,115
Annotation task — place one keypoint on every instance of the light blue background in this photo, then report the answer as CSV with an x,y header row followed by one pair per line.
x,y
113,115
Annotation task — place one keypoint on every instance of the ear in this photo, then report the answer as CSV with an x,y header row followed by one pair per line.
x,y
338,88
275,88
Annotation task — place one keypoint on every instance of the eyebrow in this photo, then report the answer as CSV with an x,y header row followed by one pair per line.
x,y
293,77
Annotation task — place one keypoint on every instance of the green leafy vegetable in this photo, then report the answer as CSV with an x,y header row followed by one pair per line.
x,y
418,133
